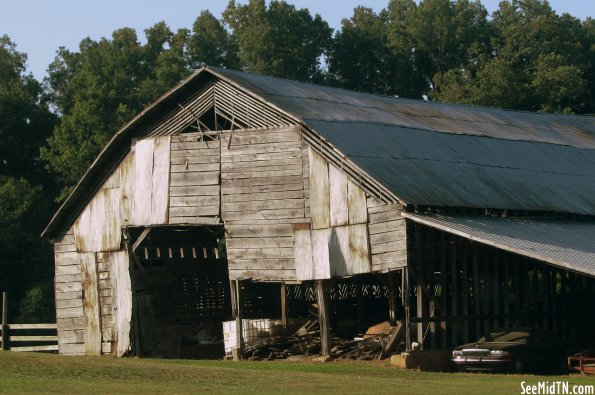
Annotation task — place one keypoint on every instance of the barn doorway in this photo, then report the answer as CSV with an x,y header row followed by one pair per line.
x,y
181,292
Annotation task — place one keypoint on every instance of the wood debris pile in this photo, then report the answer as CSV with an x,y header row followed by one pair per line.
x,y
306,342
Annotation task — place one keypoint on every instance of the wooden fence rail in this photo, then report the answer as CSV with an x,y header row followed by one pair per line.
x,y
26,337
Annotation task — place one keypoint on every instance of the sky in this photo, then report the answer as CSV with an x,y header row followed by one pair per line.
x,y
40,27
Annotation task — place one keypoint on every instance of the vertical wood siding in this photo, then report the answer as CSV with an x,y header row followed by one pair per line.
x,y
338,239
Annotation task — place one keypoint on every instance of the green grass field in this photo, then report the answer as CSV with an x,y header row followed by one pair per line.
x,y
43,373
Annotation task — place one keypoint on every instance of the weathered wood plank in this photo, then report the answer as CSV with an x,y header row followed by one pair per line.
x,y
65,238
98,227
359,252
392,215
33,326
69,295
264,253
268,156
160,182
184,160
190,211
262,264
194,190
385,227
197,178
399,258
182,153
240,138
58,248
260,148
263,205
193,201
289,213
68,287
238,190
194,220
71,323
71,336
69,312
257,196
263,275
71,349
53,347
268,230
257,242
122,302
320,253
127,171
143,181
356,201
184,167
248,182
377,238
195,145
73,268
339,214
91,305
67,303
256,166
381,248
319,191
304,265
68,278
251,173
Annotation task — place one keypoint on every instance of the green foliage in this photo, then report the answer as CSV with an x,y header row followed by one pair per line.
x,y
36,306
278,40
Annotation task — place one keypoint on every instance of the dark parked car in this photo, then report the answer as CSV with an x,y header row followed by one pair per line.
x,y
517,350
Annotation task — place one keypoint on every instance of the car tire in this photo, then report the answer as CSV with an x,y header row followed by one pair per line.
x,y
519,365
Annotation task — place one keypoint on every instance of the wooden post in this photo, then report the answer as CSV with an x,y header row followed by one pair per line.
x,y
443,290
454,296
476,293
4,321
323,317
392,308
238,317
284,305
406,305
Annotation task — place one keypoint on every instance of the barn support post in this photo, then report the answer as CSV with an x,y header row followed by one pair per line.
x,y
323,316
284,305
392,298
4,321
406,303
236,297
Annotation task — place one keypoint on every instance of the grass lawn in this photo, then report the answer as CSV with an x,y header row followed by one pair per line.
x,y
45,373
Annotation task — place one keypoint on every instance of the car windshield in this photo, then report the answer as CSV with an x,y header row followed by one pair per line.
x,y
506,336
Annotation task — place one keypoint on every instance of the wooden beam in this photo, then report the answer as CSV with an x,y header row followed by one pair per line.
x,y
238,318
141,238
5,334
284,305
323,317
405,295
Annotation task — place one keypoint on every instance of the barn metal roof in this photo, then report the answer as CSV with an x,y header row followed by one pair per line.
x,y
444,154
425,153
562,243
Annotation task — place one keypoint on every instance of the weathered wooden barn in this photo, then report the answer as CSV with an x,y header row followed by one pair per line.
x,y
242,195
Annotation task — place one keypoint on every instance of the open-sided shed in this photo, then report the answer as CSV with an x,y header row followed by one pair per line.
x,y
454,219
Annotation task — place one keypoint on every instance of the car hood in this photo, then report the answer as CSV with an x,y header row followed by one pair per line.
x,y
491,346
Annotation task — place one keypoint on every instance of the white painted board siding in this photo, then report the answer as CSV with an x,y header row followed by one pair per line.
x,y
122,302
319,191
339,214
98,227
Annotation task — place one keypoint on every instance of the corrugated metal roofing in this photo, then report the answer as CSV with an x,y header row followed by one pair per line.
x,y
425,153
448,155
562,243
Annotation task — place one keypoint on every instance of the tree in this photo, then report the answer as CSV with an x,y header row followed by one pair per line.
x,y
99,88
538,62
26,122
278,40
210,44
358,56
